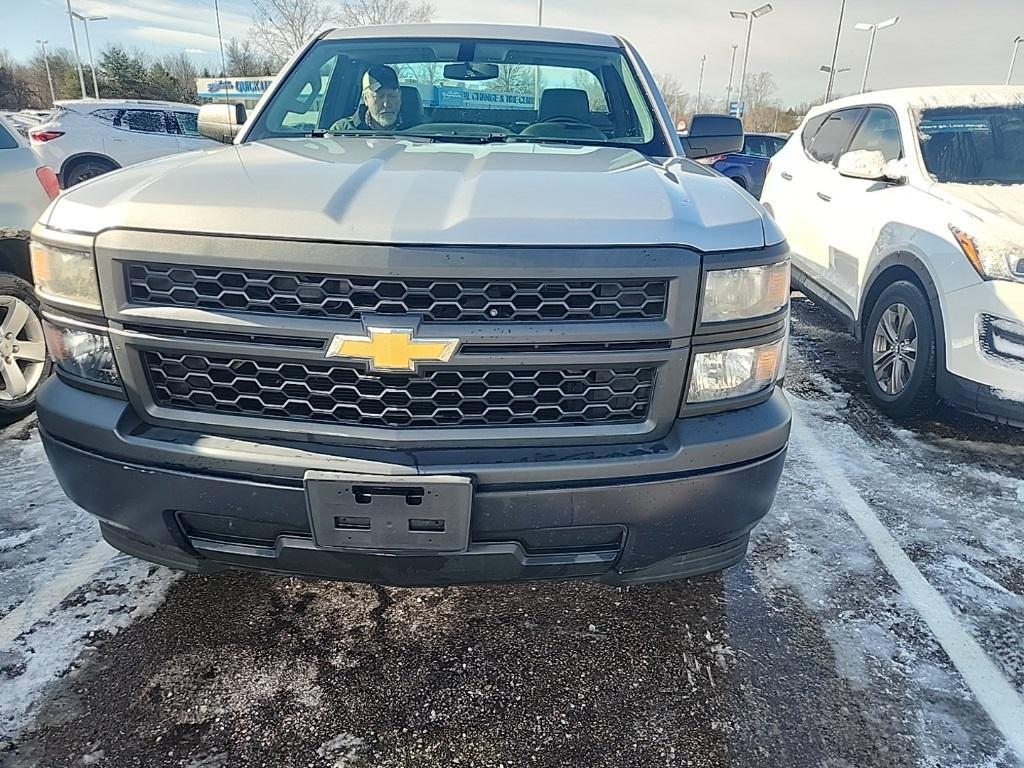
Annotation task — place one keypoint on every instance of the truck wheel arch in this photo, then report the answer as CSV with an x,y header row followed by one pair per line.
x,y
14,258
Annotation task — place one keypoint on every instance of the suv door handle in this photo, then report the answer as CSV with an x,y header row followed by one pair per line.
x,y
787,175
825,197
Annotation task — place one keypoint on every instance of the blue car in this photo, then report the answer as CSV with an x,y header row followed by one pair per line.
x,y
748,168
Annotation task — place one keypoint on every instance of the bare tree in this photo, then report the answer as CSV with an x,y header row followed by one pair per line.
x,y
245,61
182,71
514,78
762,108
363,13
281,27
676,99
16,90
588,82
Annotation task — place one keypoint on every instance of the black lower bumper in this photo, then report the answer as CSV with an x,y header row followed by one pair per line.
x,y
980,400
630,514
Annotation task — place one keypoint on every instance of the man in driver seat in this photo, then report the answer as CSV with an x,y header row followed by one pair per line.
x,y
382,103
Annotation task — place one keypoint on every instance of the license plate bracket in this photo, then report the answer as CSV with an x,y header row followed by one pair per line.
x,y
389,513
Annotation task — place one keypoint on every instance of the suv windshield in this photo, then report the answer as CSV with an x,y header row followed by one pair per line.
x,y
974,145
464,90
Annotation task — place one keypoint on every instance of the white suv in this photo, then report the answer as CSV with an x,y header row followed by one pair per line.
x,y
85,138
905,214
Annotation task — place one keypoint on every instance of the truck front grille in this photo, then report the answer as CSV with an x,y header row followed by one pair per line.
x,y
351,395
350,297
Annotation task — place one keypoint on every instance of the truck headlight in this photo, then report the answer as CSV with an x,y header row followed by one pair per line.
x,y
745,293
730,373
85,353
65,276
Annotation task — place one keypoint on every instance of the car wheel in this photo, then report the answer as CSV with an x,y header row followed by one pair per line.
x,y
899,352
84,170
739,180
23,360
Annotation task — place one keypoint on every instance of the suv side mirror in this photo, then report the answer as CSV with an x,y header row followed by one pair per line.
x,y
711,135
870,165
221,122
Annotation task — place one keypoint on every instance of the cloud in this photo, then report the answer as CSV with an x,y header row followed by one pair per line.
x,y
169,14
195,50
176,37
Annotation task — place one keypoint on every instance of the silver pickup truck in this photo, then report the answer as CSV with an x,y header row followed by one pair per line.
x,y
452,307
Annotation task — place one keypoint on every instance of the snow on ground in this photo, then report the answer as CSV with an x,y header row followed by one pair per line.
x,y
82,590
810,653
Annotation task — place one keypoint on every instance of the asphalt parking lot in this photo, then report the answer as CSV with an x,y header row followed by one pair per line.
x,y
878,621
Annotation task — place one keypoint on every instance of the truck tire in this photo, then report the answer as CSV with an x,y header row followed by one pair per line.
x,y
83,170
899,357
20,374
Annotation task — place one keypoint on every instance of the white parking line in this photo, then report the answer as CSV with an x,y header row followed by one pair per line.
x,y
37,605
993,691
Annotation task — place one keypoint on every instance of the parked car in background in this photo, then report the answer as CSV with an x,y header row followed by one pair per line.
x,y
87,137
26,188
748,167
905,213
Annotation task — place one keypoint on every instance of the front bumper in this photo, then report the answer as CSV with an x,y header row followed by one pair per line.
x,y
985,365
632,513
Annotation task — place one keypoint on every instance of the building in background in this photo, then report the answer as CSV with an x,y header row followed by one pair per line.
x,y
237,90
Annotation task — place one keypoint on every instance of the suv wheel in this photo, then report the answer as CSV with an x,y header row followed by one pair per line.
x,y
84,170
899,352
23,361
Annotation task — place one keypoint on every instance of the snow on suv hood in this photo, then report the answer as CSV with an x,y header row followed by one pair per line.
x,y
1005,201
412,192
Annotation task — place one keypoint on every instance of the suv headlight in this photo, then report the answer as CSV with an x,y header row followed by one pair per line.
x,y
84,352
992,258
65,276
731,373
745,293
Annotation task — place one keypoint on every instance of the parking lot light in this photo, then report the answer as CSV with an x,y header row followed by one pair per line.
x,y
749,17
49,77
1013,57
78,56
872,28
88,45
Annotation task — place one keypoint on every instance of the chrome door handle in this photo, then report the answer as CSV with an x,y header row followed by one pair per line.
x,y
825,197
787,176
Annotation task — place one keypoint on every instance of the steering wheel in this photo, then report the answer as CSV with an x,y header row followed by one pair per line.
x,y
568,120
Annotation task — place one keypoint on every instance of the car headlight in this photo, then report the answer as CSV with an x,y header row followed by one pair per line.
x,y
84,353
731,373
745,293
65,276
992,259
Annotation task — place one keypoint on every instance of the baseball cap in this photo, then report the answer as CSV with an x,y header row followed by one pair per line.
x,y
380,76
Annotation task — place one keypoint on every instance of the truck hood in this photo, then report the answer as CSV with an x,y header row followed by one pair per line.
x,y
414,192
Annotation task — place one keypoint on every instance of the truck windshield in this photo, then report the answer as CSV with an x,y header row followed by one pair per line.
x,y
464,90
974,145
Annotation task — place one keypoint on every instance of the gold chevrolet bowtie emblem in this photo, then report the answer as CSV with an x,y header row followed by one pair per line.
x,y
392,349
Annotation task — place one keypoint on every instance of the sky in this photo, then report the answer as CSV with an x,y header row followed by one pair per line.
x,y
935,41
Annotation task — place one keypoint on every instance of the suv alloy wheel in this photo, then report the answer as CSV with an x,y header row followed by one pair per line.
x,y
899,356
23,361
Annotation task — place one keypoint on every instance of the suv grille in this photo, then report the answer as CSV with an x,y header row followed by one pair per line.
x,y
349,395
457,300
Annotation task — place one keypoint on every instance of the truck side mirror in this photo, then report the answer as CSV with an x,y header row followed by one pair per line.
x,y
221,122
711,135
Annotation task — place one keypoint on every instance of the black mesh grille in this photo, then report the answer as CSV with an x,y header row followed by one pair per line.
x,y
350,395
318,295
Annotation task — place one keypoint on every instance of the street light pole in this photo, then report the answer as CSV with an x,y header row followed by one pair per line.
x,y
220,39
49,77
728,88
749,17
832,72
700,80
835,53
78,57
88,45
1013,57
540,13
873,28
